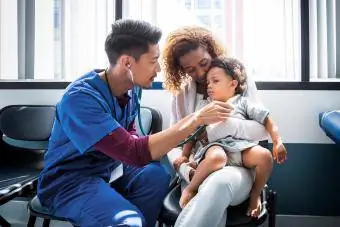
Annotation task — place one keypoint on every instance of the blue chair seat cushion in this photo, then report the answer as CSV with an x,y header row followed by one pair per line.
x,y
34,145
330,123
38,210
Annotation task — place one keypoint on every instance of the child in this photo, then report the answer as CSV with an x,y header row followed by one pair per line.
x,y
226,80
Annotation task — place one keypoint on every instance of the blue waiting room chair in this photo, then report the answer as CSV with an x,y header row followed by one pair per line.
x,y
25,130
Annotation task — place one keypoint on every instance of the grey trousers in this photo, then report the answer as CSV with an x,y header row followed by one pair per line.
x,y
228,186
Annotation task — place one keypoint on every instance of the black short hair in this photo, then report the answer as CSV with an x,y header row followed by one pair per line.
x,y
233,68
131,37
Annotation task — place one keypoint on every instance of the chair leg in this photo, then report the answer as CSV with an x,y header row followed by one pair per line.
x,y
272,208
46,222
4,222
31,221
160,223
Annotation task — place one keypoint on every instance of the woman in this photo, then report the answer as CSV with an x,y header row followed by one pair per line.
x,y
187,56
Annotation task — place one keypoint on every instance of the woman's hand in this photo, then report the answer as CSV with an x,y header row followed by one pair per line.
x,y
213,112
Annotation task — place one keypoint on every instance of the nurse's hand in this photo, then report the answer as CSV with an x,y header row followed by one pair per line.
x,y
213,112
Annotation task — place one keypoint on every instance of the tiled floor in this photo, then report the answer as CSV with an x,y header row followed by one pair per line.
x,y
16,213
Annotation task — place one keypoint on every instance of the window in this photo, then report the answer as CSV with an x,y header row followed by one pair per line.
x,y
187,4
218,4
218,21
324,41
62,39
57,39
206,20
8,40
53,39
264,34
202,4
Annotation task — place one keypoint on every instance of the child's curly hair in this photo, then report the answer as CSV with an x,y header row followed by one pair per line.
x,y
233,68
179,43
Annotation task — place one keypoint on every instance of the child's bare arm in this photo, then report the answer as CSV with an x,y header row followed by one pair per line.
x,y
279,151
185,154
187,148
272,129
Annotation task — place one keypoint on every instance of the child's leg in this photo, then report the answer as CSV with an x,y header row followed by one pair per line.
x,y
261,159
215,159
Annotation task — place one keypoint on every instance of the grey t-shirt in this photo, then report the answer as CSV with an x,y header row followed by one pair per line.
x,y
243,108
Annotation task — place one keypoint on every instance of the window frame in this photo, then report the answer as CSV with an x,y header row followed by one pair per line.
x,y
304,84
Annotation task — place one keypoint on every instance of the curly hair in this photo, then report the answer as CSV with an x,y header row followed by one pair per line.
x,y
233,68
181,42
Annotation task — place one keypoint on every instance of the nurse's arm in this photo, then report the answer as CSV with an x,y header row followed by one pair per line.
x,y
162,142
122,146
139,151
132,129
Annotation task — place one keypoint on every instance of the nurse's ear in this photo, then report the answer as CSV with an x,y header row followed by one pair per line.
x,y
125,62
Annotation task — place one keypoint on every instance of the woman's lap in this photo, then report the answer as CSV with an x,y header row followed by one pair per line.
x,y
238,180
228,186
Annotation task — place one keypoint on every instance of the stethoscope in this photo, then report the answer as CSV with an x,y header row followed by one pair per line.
x,y
139,97
133,95
192,137
187,140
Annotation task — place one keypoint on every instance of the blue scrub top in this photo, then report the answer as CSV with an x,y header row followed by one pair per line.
x,y
84,116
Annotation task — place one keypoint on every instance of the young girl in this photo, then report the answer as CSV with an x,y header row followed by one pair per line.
x,y
226,80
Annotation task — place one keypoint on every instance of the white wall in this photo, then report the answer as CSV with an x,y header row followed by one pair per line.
x,y
296,112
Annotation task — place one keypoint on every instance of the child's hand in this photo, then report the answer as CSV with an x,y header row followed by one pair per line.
x,y
279,152
193,164
179,161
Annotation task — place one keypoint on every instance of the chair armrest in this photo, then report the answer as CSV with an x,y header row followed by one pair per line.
x,y
330,124
173,182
